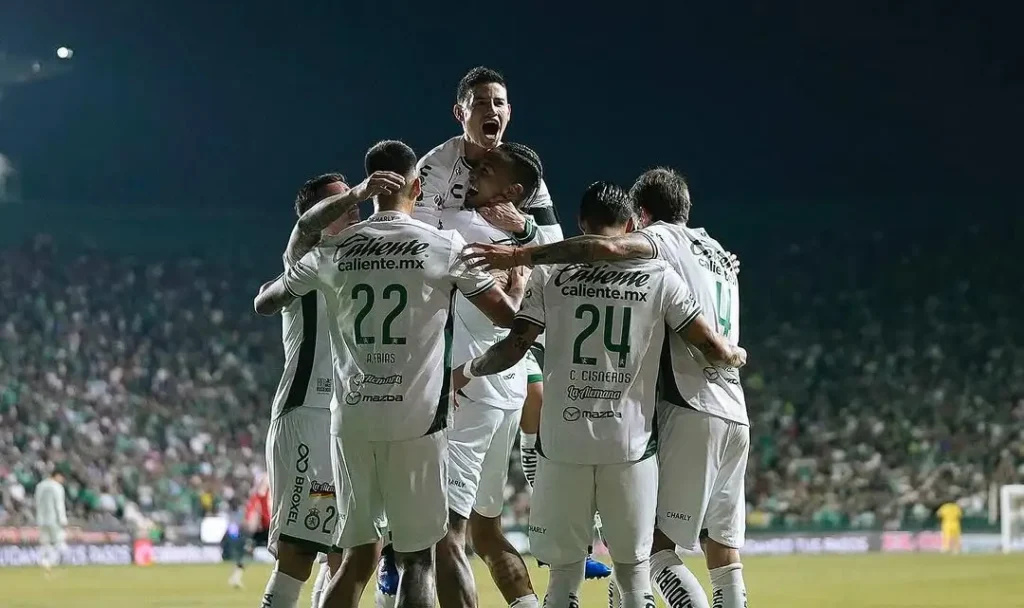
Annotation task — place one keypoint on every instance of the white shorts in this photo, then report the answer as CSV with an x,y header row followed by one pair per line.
x,y
479,446
403,479
703,461
303,491
53,536
567,496
534,372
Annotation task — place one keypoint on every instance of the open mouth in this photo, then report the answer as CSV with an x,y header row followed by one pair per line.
x,y
491,128
471,191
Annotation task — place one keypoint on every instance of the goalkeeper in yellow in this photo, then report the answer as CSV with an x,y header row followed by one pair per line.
x,y
949,516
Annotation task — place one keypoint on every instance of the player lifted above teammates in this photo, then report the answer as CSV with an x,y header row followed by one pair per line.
x,y
389,282
702,419
597,438
298,443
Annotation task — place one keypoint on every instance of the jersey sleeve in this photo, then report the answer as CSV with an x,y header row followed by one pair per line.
x,y
532,308
62,514
433,178
545,217
655,235
681,306
303,276
469,281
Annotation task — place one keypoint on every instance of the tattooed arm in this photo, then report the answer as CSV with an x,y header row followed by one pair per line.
x,y
586,248
704,338
502,355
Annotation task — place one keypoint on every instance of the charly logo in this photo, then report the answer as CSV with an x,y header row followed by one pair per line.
x,y
361,245
312,520
571,414
601,275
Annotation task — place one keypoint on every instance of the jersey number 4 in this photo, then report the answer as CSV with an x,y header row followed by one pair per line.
x,y
391,292
723,306
621,348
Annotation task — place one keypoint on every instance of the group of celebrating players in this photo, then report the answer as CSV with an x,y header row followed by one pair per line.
x,y
384,457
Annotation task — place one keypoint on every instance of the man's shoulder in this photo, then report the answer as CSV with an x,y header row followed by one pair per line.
x,y
444,153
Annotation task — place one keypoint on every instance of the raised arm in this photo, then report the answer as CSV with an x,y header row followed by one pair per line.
x,y
501,356
586,248
273,296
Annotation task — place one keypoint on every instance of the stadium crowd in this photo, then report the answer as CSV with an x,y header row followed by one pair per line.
x,y
886,376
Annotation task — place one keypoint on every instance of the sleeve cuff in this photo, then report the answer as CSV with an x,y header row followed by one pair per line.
x,y
528,234
686,322
654,244
479,290
530,319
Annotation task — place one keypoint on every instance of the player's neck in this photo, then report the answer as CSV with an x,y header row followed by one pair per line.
x,y
473,152
394,205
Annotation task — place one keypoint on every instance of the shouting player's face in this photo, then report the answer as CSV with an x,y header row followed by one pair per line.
x,y
491,182
484,115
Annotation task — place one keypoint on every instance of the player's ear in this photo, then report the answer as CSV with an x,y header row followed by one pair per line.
x,y
515,193
581,225
417,188
459,112
631,224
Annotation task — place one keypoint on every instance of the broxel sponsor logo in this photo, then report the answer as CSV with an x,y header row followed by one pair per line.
x,y
299,487
578,393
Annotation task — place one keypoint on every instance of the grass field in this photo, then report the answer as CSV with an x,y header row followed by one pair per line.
x,y
891,581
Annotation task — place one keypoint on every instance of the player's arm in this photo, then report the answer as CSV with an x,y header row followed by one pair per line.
x,y
683,315
300,279
501,356
499,305
585,248
311,224
62,514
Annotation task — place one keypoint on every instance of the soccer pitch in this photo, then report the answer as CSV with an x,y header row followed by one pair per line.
x,y
890,581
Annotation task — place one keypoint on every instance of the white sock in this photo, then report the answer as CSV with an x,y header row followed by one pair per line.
x,y
528,455
564,585
282,591
727,588
527,601
614,595
674,582
322,579
634,582
383,600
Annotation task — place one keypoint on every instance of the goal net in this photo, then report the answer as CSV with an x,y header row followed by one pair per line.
x,y
1011,516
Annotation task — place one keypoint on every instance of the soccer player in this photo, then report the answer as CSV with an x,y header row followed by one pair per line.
x,y
703,425
597,439
52,519
390,282
950,515
255,525
304,506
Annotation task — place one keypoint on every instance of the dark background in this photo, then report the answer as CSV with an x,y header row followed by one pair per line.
x,y
795,108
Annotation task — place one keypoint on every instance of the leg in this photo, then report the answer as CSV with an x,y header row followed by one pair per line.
x,y
356,461
416,588
456,587
725,521
684,458
627,495
502,559
561,517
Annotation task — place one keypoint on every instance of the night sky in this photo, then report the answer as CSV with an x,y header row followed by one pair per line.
x,y
234,104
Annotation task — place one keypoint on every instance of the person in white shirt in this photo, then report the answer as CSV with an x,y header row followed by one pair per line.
x,y
303,499
702,416
390,284
52,519
607,323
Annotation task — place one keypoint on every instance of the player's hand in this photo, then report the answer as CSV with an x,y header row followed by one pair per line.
x,y
490,257
459,379
733,261
504,216
738,358
517,278
378,183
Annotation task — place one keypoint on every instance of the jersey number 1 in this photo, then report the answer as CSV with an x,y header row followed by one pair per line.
x,y
621,347
391,292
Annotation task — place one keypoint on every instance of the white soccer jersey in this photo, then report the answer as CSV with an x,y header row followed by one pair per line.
x,y
444,172
606,324
475,333
389,283
308,376
703,263
50,508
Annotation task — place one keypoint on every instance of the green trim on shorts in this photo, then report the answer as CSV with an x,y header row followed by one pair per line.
x,y
534,378
308,545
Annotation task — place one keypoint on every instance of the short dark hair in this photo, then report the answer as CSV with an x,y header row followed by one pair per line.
x,y
391,155
664,194
475,77
526,169
307,196
605,204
